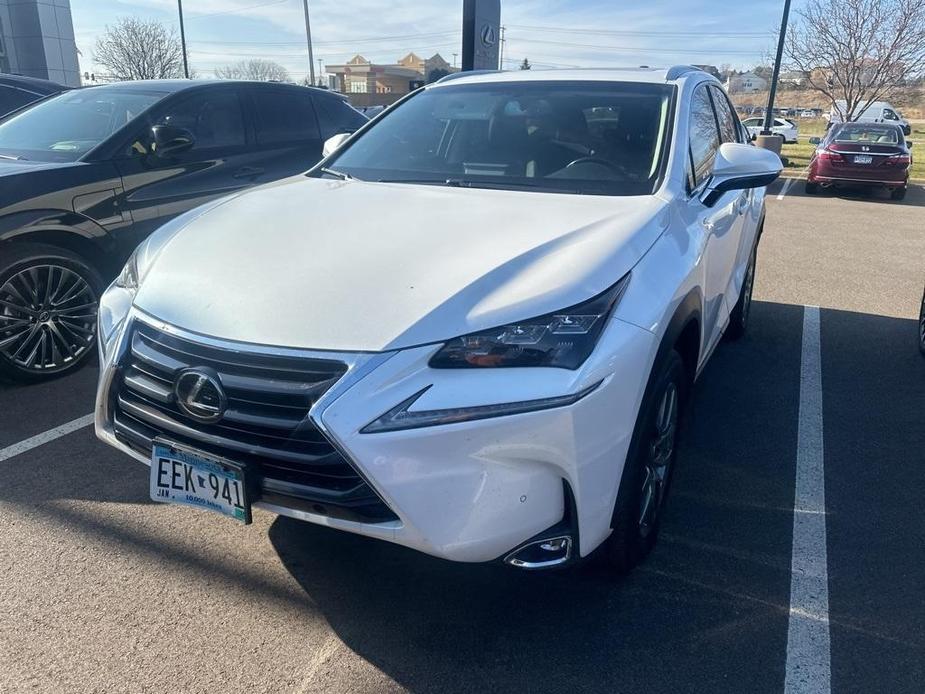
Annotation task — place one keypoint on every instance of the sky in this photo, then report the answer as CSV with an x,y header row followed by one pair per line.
x,y
549,33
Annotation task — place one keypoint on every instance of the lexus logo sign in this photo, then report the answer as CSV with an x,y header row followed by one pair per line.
x,y
488,35
200,395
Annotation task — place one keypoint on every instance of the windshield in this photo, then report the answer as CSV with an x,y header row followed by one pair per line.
x,y
591,138
69,125
881,135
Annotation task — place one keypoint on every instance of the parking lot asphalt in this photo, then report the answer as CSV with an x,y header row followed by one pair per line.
x,y
103,590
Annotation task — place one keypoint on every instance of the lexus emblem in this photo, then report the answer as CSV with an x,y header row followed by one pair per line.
x,y
488,35
200,395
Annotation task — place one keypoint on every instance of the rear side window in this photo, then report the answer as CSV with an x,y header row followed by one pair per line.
x,y
334,116
284,116
704,137
727,120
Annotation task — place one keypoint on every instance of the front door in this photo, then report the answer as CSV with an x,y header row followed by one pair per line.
x,y
158,188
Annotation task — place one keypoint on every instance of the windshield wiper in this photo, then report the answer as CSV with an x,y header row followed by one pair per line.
x,y
337,174
493,185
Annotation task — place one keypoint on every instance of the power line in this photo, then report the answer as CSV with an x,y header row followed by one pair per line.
x,y
614,32
345,42
236,10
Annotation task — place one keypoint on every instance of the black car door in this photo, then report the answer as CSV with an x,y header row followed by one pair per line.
x,y
219,162
286,132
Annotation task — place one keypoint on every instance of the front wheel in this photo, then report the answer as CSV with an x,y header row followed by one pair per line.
x,y
648,467
48,309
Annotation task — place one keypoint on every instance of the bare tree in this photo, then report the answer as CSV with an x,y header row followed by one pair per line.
x,y
856,52
254,69
136,49
525,65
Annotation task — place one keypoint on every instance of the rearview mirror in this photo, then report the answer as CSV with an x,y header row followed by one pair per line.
x,y
738,167
332,144
815,140
168,141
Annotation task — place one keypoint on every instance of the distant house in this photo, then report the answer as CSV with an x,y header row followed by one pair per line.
x,y
746,83
386,83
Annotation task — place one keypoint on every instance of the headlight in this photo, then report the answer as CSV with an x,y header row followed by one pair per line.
x,y
128,278
563,339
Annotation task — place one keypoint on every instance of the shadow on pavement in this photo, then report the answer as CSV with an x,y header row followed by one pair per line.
x,y
707,611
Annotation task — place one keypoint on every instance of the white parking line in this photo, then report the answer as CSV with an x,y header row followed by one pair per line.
x,y
45,437
808,655
786,188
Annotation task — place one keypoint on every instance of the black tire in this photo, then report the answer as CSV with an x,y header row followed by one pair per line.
x,y
633,537
898,193
738,317
48,308
922,327
811,188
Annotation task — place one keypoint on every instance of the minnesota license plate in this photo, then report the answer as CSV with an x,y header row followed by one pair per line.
x,y
863,159
180,475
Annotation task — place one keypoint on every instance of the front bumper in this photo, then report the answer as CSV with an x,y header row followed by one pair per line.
x,y
472,491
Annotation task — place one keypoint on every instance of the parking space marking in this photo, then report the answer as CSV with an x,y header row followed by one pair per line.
x,y
786,188
808,668
45,437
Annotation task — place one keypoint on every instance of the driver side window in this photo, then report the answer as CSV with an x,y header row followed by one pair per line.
x,y
214,118
704,137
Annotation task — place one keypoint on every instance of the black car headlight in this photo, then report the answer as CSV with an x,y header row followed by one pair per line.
x,y
563,339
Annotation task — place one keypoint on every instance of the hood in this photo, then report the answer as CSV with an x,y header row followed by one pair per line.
x,y
357,266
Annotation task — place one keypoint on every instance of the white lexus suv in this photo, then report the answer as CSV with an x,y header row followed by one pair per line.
x,y
471,330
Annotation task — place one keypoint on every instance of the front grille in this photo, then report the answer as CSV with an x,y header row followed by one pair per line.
x,y
265,424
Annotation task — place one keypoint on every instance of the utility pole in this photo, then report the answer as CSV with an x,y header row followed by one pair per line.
x,y
769,111
501,51
320,73
308,39
183,40
454,59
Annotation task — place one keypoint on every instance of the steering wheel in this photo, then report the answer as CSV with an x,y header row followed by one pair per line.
x,y
596,160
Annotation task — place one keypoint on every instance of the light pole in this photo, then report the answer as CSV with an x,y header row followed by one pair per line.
x,y
183,39
764,138
308,39
320,73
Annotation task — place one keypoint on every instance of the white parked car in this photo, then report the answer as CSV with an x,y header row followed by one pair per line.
x,y
876,112
786,128
472,330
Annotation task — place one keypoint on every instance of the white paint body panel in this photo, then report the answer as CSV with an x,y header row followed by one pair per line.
x,y
358,268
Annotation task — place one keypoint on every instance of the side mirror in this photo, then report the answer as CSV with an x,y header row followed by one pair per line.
x,y
815,140
909,144
170,141
334,143
738,167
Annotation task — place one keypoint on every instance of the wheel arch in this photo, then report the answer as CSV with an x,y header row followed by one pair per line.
x,y
64,229
684,333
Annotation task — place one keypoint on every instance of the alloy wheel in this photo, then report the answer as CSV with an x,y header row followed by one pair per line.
x,y
659,459
922,327
747,288
47,318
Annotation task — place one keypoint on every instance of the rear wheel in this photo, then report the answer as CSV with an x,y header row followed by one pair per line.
x,y
738,317
898,193
812,188
647,471
48,308
922,327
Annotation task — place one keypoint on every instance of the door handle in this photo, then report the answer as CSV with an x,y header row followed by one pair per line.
x,y
247,172
741,204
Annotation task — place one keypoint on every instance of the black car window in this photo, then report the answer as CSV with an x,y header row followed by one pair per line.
x,y
12,99
284,116
335,116
704,137
214,117
725,116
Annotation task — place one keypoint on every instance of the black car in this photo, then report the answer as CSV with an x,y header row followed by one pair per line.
x,y
88,174
16,91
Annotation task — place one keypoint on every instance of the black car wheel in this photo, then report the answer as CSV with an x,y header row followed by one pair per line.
x,y
812,188
898,193
48,309
922,327
738,317
647,472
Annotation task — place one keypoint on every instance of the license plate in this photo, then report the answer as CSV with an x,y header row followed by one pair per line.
x,y
863,159
180,475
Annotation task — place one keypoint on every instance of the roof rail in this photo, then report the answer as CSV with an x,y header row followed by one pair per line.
x,y
676,71
464,73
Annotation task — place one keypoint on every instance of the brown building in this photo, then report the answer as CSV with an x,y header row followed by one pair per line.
x,y
369,84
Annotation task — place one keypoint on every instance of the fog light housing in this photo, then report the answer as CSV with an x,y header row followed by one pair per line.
x,y
542,554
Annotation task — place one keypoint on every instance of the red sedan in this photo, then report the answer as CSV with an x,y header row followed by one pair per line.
x,y
861,154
